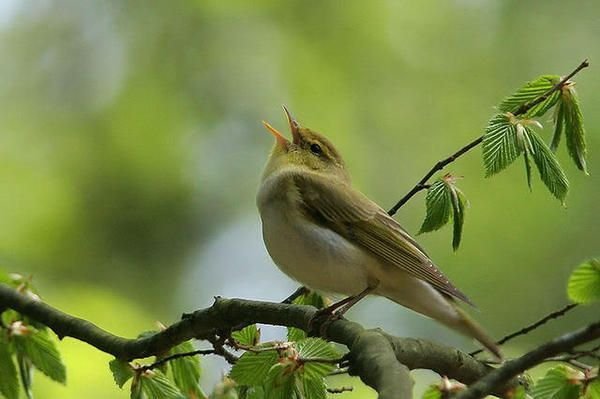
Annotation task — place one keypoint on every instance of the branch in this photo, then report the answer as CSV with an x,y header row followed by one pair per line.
x,y
382,361
422,184
498,378
525,330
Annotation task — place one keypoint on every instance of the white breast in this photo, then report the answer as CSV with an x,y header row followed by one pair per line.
x,y
315,256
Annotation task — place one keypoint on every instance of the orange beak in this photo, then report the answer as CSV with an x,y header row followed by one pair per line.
x,y
281,141
294,125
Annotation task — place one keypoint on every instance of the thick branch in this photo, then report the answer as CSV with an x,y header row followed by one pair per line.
x,y
374,356
422,184
498,378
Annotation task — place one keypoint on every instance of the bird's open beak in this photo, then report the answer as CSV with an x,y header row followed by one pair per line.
x,y
281,141
294,125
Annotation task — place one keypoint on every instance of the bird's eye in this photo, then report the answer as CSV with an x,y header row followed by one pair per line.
x,y
316,149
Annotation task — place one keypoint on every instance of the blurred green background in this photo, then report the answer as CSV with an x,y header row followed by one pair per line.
x,y
131,148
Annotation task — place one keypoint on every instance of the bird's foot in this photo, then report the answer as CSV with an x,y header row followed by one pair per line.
x,y
318,324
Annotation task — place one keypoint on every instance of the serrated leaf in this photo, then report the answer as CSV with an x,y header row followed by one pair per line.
x,y
531,91
247,336
550,170
25,369
584,283
438,202
557,384
559,122
252,368
592,391
121,371
41,350
316,348
9,380
500,146
311,298
186,371
245,392
433,392
527,160
280,383
313,388
153,384
458,215
295,334
573,127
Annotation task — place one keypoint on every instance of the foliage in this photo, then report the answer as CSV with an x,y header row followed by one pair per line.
x,y
445,201
25,345
584,283
285,370
508,135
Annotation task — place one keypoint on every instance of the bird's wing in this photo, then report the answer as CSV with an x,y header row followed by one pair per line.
x,y
351,214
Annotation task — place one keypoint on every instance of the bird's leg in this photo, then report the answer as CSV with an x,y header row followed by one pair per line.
x,y
338,309
342,308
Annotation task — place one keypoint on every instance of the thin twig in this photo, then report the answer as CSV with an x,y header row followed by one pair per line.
x,y
525,330
340,389
422,184
167,359
498,378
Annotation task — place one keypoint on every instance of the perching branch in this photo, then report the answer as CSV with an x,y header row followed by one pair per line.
x,y
422,184
497,378
380,360
526,330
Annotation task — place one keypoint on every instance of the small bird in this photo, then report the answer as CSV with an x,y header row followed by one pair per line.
x,y
330,237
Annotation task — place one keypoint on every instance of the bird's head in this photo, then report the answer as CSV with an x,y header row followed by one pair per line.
x,y
308,150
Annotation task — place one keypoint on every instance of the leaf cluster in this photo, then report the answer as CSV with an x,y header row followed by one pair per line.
x,y
510,134
25,346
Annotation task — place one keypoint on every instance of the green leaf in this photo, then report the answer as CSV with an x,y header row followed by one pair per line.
x,y
316,348
557,384
9,381
438,202
311,298
584,283
559,122
529,92
252,368
458,214
295,334
280,383
38,347
313,388
247,336
500,146
153,384
550,170
25,373
592,390
186,371
121,371
433,392
573,127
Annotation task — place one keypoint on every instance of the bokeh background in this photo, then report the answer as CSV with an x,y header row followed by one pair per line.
x,y
131,149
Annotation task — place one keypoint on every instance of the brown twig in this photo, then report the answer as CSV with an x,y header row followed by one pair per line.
x,y
340,389
167,359
497,378
525,330
296,294
422,184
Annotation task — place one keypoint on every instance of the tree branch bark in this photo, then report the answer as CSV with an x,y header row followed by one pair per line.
x,y
380,360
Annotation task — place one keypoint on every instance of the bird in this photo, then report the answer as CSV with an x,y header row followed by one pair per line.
x,y
327,235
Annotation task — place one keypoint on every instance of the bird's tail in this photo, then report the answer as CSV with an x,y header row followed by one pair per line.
x,y
468,326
